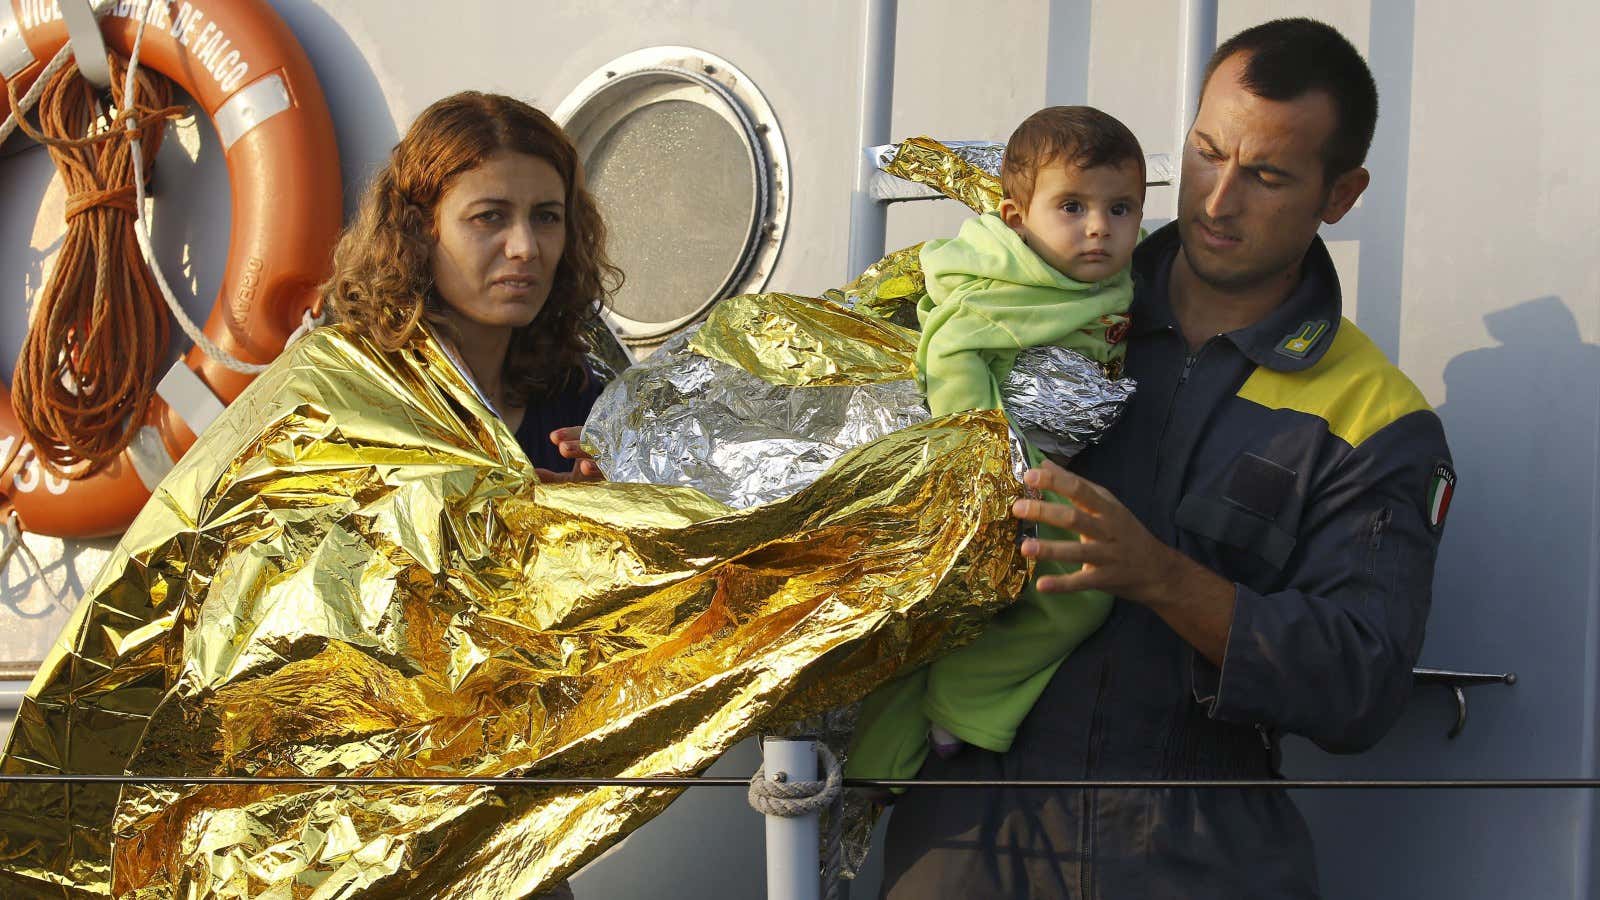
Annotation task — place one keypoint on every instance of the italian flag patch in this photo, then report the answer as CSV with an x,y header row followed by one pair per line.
x,y
1441,487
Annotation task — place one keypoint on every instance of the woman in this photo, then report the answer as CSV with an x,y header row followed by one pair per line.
x,y
480,225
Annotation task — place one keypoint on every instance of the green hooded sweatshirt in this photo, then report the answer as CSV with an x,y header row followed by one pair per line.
x,y
989,298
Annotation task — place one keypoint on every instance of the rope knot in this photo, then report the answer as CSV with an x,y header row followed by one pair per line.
x,y
121,198
780,796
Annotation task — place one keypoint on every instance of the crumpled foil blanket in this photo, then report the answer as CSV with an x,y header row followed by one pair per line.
x,y
1062,401
356,572
757,402
762,398
968,171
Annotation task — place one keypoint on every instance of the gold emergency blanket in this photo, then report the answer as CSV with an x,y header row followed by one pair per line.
x,y
355,572
805,342
926,161
889,288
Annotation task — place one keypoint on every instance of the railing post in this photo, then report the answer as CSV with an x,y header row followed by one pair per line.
x,y
869,217
1197,24
792,848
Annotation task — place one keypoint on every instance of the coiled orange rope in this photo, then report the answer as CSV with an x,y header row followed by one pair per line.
x,y
98,333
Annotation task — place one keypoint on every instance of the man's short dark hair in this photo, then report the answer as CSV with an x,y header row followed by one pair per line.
x,y
1080,135
1289,58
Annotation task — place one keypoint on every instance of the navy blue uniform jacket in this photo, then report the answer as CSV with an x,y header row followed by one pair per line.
x,y
1291,458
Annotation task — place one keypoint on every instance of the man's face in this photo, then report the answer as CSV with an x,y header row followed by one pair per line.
x,y
1082,222
1252,193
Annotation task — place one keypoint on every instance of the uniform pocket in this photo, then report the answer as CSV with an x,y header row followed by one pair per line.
x,y
1240,529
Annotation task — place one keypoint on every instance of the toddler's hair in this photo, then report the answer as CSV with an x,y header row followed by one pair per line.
x,y
1080,135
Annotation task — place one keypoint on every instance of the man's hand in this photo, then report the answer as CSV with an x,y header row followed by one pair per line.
x,y
566,441
1120,556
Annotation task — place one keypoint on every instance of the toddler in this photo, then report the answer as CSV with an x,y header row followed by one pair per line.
x,y
1048,268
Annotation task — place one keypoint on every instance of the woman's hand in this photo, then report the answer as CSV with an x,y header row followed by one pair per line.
x,y
566,441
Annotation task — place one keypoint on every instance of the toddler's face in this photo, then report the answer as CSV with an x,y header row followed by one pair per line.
x,y
1083,222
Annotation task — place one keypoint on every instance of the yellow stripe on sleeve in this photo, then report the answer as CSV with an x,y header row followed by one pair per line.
x,y
1354,388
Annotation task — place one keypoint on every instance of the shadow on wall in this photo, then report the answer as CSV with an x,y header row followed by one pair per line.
x,y
362,122
191,218
1512,593
1513,575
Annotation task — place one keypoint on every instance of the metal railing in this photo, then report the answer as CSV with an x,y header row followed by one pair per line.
x,y
794,841
688,781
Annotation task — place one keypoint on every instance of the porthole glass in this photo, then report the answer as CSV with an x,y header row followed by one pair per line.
x,y
674,184
689,168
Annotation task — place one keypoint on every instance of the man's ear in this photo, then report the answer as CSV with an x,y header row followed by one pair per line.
x,y
1011,214
1345,192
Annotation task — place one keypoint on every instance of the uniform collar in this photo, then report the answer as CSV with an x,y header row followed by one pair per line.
x,y
1291,338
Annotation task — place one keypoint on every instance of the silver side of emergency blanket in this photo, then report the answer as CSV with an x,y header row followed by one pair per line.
x,y
1062,401
678,418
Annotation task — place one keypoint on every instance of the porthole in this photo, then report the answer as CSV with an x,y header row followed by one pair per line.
x,y
688,165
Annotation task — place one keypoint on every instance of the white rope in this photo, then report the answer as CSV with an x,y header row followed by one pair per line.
x,y
26,102
141,230
14,542
13,535
778,796
12,530
308,324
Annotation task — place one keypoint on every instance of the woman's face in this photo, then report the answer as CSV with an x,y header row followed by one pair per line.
x,y
501,230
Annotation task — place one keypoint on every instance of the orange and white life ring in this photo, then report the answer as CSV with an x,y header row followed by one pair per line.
x,y
240,63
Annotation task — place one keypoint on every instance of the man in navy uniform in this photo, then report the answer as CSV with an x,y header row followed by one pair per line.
x,y
1267,515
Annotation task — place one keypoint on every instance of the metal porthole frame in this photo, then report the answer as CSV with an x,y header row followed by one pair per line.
x,y
639,79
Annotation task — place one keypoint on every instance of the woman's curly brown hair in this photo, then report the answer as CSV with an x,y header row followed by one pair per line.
x,y
382,284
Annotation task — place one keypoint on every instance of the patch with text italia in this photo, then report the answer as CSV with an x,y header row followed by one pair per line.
x,y
1441,487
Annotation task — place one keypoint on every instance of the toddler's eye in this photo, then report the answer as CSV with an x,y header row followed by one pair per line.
x,y
1120,209
1072,206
